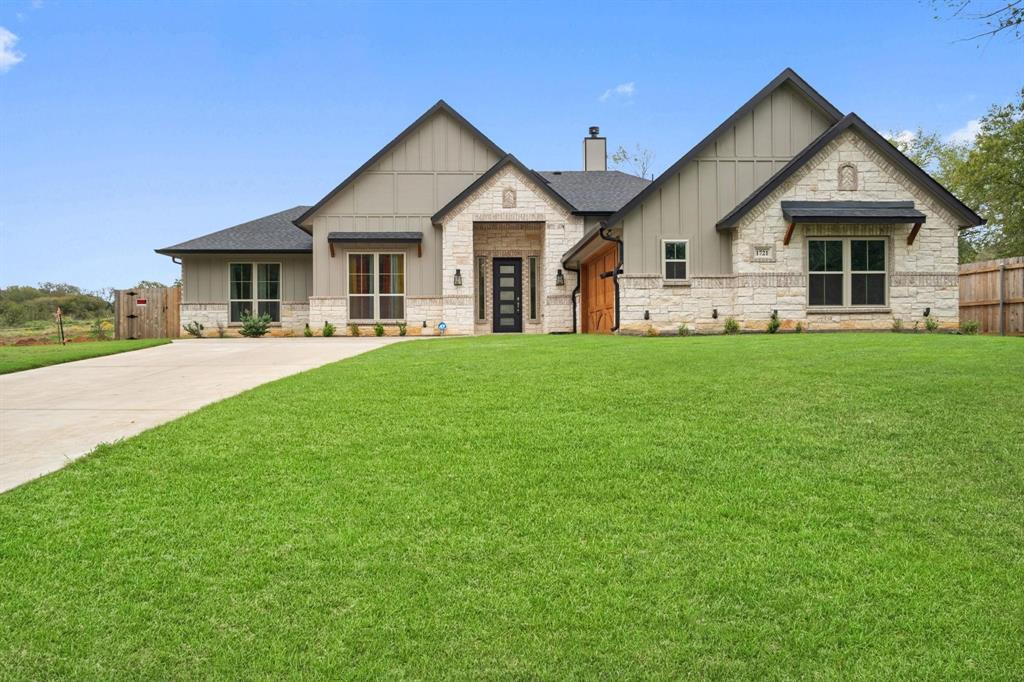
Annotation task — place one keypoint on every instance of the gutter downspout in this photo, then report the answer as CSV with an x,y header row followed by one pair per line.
x,y
614,273
575,294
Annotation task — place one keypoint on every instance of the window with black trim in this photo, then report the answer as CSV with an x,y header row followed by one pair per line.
x,y
674,259
481,288
533,287
846,272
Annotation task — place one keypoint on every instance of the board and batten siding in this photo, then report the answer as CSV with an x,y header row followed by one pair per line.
x,y
205,277
729,169
400,192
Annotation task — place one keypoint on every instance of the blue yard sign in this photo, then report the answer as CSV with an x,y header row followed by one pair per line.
x,y
442,326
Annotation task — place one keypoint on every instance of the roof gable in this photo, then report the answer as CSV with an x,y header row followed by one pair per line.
x,y
440,107
506,160
853,122
788,76
273,233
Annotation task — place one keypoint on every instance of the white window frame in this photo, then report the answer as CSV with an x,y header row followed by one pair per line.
x,y
665,260
848,272
255,299
375,282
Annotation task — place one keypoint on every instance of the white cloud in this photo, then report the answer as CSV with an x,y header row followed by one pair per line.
x,y
904,136
967,133
8,55
623,90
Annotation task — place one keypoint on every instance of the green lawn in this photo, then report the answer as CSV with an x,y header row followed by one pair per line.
x,y
18,358
795,506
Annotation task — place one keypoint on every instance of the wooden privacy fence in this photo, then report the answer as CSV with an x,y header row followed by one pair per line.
x,y
147,313
992,293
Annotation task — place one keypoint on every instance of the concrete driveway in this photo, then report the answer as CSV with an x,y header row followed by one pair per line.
x,y
52,415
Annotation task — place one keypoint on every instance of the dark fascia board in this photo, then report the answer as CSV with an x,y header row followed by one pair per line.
x,y
389,237
787,75
877,212
582,243
268,252
440,106
491,172
852,120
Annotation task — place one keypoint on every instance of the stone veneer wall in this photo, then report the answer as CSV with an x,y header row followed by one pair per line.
x,y
507,240
488,205
921,275
294,315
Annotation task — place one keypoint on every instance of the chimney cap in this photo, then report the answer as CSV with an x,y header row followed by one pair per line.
x,y
595,131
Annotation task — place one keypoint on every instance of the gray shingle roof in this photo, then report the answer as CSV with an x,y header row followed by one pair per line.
x,y
595,191
851,212
272,233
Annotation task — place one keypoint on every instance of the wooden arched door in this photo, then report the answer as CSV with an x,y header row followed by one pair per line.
x,y
597,294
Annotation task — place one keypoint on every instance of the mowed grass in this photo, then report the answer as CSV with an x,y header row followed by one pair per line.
x,y
830,506
18,358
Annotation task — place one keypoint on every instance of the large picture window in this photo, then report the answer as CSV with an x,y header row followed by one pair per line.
x,y
674,253
376,286
254,287
846,272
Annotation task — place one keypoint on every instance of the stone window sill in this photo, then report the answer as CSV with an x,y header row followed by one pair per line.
x,y
676,283
853,310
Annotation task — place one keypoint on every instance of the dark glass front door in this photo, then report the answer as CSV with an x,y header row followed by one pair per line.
x,y
507,309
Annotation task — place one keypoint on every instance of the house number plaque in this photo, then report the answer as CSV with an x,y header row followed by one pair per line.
x,y
763,253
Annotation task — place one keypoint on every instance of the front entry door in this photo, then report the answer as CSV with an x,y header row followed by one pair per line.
x,y
507,309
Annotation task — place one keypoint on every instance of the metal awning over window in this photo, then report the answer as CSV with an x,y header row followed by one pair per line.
x,y
851,212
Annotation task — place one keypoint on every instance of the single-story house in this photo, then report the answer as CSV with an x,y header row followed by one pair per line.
x,y
789,207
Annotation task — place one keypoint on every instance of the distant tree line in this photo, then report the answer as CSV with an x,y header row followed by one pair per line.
x,y
21,304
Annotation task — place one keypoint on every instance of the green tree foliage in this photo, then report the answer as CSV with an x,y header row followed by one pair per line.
x,y
20,304
987,175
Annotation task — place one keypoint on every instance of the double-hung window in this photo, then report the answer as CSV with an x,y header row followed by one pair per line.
x,y
845,272
674,259
254,287
376,286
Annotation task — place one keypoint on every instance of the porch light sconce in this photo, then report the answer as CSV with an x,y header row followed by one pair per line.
x,y
714,314
424,324
458,277
647,314
559,278
927,312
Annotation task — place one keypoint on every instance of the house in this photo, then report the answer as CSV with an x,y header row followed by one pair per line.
x,y
788,208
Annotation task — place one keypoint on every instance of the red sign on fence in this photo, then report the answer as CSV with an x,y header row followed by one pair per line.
x,y
140,301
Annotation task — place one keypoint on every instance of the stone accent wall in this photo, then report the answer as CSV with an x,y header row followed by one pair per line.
x,y
921,275
420,309
506,240
207,314
328,309
294,316
489,205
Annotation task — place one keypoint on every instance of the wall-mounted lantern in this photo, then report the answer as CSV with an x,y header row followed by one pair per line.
x,y
714,314
647,314
458,277
927,312
559,278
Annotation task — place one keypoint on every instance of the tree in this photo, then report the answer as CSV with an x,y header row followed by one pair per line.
x,y
987,175
58,288
149,284
640,161
1008,17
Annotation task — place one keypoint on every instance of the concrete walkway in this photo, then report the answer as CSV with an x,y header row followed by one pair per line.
x,y
52,415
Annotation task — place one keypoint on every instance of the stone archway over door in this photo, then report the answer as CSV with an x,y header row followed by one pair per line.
x,y
597,294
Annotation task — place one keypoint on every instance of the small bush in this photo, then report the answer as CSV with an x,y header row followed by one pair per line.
x,y
402,329
353,330
222,330
774,324
378,329
732,326
99,330
969,327
799,328
897,324
254,326
930,324
684,330
328,329
194,329
307,332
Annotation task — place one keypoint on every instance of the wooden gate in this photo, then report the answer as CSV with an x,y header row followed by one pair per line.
x,y
147,313
597,294
992,293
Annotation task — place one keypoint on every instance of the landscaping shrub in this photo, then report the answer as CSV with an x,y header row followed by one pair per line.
x,y
378,329
194,329
307,332
98,330
353,330
651,331
255,326
684,330
328,329
732,326
930,324
897,324
774,324
402,328
799,328
969,327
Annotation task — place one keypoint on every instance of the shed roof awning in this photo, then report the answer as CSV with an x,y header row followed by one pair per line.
x,y
377,237
851,212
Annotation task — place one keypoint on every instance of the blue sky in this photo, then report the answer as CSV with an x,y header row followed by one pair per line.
x,y
127,126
